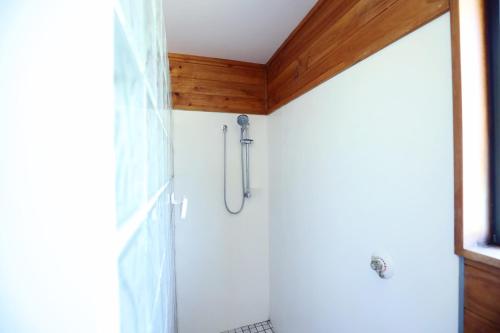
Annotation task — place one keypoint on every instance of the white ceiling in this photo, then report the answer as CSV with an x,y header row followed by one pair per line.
x,y
246,30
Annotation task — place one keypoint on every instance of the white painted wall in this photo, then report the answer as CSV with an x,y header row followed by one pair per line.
x,y
222,260
362,163
57,208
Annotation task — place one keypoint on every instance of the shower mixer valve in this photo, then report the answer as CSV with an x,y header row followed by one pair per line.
x,y
382,265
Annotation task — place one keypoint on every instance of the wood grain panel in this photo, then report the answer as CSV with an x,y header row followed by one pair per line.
x,y
476,324
482,291
336,35
209,84
457,125
214,103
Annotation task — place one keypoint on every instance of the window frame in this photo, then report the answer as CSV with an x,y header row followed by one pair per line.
x,y
472,128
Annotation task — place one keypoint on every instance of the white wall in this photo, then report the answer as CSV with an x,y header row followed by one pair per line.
x,y
57,208
363,163
222,260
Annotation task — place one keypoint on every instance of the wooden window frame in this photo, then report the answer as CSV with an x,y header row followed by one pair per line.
x,y
473,213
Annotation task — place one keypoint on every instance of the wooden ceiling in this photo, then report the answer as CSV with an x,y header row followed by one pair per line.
x,y
334,36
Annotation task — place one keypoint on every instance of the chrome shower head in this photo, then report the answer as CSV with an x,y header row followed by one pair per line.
x,y
243,120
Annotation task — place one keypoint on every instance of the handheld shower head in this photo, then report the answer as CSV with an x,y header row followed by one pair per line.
x,y
243,120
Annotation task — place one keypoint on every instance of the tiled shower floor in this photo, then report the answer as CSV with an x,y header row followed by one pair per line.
x,y
263,327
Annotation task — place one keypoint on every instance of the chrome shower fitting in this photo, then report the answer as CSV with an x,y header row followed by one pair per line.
x,y
245,142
